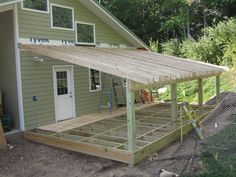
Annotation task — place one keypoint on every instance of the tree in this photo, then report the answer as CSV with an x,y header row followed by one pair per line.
x,y
162,20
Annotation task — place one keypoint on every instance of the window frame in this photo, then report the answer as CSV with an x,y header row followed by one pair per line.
x,y
76,34
100,80
66,7
35,10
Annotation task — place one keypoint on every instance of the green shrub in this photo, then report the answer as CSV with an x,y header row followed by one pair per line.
x,y
171,47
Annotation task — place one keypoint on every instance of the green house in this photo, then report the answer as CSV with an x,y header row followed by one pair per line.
x,y
58,59
28,89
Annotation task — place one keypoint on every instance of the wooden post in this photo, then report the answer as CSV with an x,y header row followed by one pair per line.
x,y
174,103
200,96
130,97
217,89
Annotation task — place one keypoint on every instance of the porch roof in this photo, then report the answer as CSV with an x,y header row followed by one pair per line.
x,y
146,69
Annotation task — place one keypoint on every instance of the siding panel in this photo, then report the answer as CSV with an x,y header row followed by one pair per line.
x,y
37,80
38,25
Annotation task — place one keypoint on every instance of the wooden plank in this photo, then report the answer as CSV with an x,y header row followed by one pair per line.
x,y
3,143
90,118
159,144
91,149
174,103
132,64
217,89
131,124
200,96
85,61
164,141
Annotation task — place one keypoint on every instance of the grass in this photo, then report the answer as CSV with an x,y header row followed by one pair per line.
x,y
187,91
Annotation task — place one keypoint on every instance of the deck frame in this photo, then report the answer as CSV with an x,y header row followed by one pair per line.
x,y
108,140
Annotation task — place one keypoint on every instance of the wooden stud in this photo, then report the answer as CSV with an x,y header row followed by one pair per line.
x,y
92,149
174,103
181,124
113,144
200,96
130,97
217,89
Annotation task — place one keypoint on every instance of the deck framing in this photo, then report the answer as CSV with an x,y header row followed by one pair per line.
x,y
108,138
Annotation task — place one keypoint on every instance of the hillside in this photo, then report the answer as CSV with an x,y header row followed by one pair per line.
x,y
188,91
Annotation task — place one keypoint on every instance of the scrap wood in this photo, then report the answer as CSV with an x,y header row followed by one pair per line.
x,y
3,143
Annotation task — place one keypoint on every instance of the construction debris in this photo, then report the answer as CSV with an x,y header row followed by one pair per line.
x,y
3,143
164,173
153,157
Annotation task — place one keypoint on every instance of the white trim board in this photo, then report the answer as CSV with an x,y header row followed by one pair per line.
x,y
76,33
9,3
18,70
65,7
37,41
35,10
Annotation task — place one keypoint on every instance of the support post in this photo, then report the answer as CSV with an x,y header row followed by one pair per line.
x,y
130,97
217,89
174,103
200,96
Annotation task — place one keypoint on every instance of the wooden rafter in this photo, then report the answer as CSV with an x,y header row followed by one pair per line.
x,y
146,69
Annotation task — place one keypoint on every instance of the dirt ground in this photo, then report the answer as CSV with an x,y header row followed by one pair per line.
x,y
27,159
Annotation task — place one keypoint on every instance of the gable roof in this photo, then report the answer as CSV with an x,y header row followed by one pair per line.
x,y
7,2
114,23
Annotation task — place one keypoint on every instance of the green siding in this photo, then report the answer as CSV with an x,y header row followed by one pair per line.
x,y
37,80
38,25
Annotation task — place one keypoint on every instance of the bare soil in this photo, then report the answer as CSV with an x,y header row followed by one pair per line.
x,y
27,159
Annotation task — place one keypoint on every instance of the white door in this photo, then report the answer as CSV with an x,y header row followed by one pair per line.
x,y
64,96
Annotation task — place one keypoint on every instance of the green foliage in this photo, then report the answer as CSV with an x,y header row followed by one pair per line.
x,y
216,46
203,50
187,91
163,20
171,47
154,45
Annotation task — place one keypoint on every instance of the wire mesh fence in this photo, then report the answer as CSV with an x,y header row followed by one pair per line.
x,y
220,128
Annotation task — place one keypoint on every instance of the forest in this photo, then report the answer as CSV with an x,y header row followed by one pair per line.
x,y
203,30
197,29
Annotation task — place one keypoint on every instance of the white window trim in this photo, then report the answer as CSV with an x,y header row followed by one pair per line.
x,y
35,10
100,80
73,17
94,33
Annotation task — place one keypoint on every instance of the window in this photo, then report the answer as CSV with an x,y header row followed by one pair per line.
x,y
62,17
85,33
95,80
62,86
36,5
